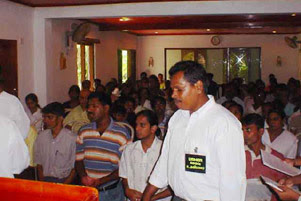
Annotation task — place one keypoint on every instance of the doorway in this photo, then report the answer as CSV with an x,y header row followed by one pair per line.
x,y
9,66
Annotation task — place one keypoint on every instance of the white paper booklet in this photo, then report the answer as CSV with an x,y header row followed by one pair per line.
x,y
277,164
257,191
271,183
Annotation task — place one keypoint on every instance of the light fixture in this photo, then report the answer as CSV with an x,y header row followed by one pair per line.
x,y
274,32
156,32
124,19
293,14
125,30
207,29
250,16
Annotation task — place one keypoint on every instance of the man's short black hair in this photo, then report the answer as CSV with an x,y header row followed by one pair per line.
x,y
253,119
74,88
55,108
102,97
154,77
150,115
143,74
158,99
239,107
118,109
278,111
130,99
193,72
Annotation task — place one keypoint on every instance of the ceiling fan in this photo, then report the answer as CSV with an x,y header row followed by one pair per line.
x,y
79,33
292,41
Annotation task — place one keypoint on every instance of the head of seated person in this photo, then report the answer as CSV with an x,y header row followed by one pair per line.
x,y
266,108
259,97
237,110
53,116
229,91
32,102
74,92
253,129
83,98
228,103
159,105
86,84
119,113
276,120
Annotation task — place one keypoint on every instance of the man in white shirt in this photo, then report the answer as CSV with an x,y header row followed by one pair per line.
x,y
203,154
11,107
13,150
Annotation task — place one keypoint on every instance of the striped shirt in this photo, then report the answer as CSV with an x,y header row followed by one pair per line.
x,y
101,152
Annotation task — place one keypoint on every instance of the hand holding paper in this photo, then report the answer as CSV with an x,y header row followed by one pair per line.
x,y
277,164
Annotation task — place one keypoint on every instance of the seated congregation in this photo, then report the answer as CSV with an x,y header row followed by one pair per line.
x,y
110,136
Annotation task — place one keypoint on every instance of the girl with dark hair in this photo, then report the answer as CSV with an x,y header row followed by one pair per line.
x,y
34,111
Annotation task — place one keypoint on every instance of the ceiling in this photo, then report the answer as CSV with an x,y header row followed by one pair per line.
x,y
206,24
44,3
189,25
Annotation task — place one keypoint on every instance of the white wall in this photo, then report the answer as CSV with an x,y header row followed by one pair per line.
x,y
271,47
106,53
16,23
58,80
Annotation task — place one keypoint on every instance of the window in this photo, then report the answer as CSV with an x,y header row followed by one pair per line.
x,y
225,63
85,63
124,72
126,65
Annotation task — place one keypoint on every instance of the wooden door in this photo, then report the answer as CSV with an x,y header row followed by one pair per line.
x,y
8,65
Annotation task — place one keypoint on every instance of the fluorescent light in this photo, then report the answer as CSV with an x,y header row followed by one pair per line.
x,y
124,19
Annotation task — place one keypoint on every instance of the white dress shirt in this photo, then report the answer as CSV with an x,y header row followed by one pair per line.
x,y
250,108
14,154
286,143
11,108
212,131
223,99
136,165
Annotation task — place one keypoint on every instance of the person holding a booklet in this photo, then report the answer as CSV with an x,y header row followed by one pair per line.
x,y
253,128
287,192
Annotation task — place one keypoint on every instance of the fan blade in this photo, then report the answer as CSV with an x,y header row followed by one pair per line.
x,y
290,42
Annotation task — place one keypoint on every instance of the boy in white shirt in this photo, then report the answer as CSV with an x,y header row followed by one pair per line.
x,y
139,158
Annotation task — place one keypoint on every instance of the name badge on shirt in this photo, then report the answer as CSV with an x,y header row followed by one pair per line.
x,y
195,163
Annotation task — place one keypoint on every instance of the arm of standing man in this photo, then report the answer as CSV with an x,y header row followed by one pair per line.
x,y
84,178
229,142
79,163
